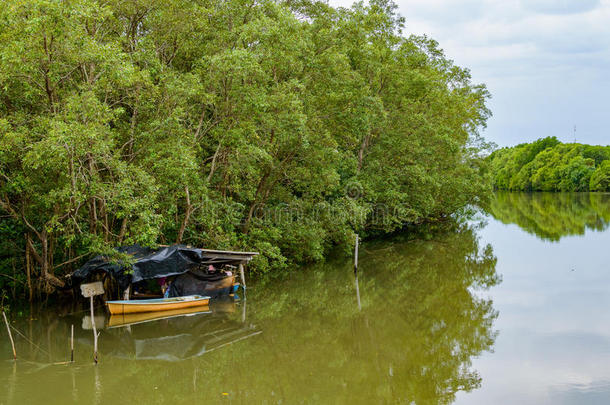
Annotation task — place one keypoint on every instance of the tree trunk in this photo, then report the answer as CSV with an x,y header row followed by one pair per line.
x,y
104,215
43,260
93,215
363,147
213,166
187,215
92,203
28,266
255,202
123,230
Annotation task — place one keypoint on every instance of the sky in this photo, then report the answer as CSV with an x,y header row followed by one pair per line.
x,y
545,62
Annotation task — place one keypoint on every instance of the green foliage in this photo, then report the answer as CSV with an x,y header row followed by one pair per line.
x,y
548,165
600,179
199,122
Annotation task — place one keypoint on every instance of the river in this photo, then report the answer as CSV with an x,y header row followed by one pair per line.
x,y
508,308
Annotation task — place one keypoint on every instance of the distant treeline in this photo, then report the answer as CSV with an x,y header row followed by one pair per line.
x,y
279,127
549,165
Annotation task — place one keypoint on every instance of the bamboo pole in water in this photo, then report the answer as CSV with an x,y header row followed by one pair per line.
x,y
94,331
72,343
10,335
243,312
243,278
358,293
356,274
356,255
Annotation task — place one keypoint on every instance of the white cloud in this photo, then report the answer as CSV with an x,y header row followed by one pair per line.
x,y
560,6
534,55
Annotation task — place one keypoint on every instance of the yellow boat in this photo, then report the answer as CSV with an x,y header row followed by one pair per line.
x,y
140,317
158,304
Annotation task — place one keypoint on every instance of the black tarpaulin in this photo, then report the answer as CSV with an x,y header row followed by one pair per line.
x,y
199,282
163,262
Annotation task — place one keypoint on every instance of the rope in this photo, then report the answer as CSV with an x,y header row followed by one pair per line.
x,y
23,336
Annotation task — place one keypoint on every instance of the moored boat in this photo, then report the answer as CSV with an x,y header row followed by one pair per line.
x,y
167,271
158,304
128,319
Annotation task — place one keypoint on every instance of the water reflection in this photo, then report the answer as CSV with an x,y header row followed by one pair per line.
x,y
551,216
171,335
554,344
405,331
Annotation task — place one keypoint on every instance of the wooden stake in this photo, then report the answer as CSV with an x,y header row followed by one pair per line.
x,y
243,277
356,273
90,290
356,255
10,335
126,293
243,312
72,343
94,331
358,293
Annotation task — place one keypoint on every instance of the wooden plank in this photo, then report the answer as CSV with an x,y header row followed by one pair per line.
x,y
230,252
223,253
225,257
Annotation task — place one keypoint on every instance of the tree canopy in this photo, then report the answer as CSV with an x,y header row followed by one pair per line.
x,y
281,127
549,165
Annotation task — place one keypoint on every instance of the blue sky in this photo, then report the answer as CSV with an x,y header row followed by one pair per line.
x,y
545,62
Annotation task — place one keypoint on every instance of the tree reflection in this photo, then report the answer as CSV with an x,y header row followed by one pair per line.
x,y
551,216
413,341
420,324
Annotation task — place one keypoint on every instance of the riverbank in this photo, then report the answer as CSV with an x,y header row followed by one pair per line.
x,y
317,327
452,319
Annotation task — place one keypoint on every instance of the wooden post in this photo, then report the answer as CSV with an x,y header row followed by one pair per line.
x,y
94,331
10,335
90,290
72,343
243,277
126,293
356,256
243,312
358,293
356,273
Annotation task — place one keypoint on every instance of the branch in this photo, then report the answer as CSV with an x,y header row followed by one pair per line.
x,y
70,261
33,251
12,278
6,205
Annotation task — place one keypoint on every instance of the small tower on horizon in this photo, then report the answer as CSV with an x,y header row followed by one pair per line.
x,y
574,133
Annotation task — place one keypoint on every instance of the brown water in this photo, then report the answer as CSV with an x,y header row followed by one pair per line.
x,y
511,311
